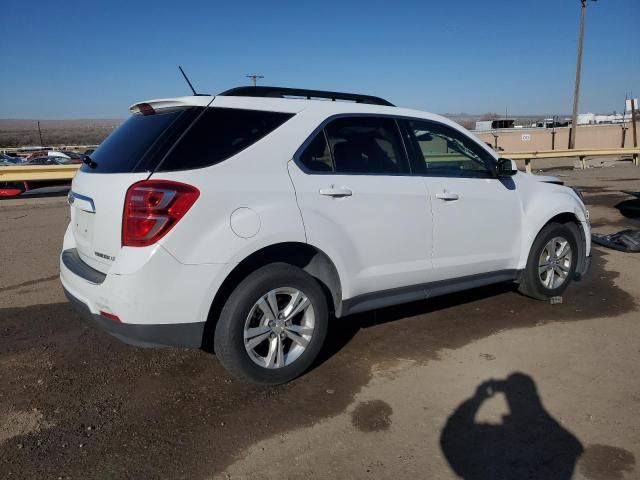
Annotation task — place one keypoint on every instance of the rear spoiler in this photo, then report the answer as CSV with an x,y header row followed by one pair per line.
x,y
151,106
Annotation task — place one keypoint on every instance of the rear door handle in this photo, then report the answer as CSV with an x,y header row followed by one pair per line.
x,y
336,192
447,196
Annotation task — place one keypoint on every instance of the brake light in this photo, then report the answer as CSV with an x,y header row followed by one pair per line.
x,y
110,316
145,109
152,208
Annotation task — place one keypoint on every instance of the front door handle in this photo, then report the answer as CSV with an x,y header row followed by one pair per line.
x,y
447,196
337,192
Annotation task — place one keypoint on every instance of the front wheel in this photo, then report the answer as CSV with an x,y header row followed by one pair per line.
x,y
552,262
273,325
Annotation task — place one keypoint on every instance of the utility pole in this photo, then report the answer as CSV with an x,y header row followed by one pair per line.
x,y
576,93
40,133
635,133
254,78
623,125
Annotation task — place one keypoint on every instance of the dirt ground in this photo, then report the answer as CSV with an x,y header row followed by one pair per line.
x,y
404,392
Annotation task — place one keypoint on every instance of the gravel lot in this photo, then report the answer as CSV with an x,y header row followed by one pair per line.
x,y
398,393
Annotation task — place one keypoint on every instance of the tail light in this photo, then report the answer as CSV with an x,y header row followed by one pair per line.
x,y
111,316
152,208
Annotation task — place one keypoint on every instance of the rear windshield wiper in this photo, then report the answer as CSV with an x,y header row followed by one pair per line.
x,y
88,161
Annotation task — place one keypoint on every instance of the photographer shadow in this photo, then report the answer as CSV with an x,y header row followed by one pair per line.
x,y
528,444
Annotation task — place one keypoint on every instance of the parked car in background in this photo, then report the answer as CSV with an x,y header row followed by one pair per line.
x,y
240,222
49,160
9,160
46,153
75,157
12,189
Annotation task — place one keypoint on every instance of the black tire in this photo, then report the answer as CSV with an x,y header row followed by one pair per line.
x,y
531,285
229,333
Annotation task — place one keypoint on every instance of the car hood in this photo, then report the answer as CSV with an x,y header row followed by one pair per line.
x,y
546,179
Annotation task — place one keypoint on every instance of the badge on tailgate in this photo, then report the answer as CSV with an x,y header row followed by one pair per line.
x,y
81,202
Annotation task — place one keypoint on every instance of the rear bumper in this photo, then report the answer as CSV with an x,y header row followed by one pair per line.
x,y
188,335
159,302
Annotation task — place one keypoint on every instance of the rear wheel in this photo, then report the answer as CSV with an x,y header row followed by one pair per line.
x,y
552,262
273,325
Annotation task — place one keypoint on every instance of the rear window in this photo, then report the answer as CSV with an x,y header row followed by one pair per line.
x,y
145,143
125,149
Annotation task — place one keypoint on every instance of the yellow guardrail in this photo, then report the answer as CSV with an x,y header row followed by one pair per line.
x,y
22,173
581,154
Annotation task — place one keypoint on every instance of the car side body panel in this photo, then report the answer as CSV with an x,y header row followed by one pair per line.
x,y
379,237
543,201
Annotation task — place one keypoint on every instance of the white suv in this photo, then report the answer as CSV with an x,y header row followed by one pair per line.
x,y
242,222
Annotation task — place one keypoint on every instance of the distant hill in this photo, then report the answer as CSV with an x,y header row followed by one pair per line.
x,y
20,133
92,131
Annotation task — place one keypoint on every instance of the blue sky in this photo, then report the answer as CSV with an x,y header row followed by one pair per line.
x,y
92,59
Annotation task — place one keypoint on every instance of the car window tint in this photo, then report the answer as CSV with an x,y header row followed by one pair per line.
x,y
366,145
124,149
219,134
440,150
316,157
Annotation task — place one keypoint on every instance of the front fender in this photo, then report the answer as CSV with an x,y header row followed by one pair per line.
x,y
542,209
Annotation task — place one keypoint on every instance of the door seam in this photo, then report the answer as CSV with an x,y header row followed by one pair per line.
x,y
295,195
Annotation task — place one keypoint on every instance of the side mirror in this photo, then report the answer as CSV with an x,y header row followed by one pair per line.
x,y
507,167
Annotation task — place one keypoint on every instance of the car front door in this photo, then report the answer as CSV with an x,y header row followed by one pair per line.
x,y
361,206
476,215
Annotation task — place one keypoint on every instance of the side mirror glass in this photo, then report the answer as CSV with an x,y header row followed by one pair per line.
x,y
507,167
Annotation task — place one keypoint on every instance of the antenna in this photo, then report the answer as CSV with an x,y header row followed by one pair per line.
x,y
187,79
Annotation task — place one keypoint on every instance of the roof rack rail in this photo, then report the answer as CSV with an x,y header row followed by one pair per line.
x,y
282,92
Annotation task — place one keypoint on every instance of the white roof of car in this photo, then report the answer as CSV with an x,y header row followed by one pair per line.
x,y
285,105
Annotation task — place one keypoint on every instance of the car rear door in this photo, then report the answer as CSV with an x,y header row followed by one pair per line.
x,y
476,216
361,206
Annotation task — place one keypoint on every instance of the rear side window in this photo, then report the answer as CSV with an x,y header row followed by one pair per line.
x,y
317,156
367,145
357,145
148,142
219,134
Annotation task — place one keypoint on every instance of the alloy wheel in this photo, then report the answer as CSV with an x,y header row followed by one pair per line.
x,y
279,327
554,263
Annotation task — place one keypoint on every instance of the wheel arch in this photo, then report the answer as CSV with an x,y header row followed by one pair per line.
x,y
302,255
573,222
